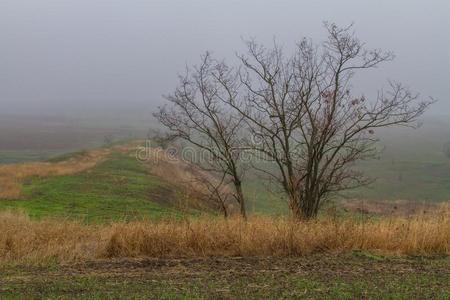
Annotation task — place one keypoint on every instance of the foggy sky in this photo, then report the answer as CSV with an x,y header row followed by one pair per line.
x,y
79,56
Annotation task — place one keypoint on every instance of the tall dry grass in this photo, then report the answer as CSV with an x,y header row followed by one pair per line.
x,y
191,180
11,175
25,239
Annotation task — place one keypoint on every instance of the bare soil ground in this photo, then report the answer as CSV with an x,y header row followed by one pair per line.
x,y
401,208
357,275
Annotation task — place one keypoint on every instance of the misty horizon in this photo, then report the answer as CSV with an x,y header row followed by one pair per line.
x,y
117,59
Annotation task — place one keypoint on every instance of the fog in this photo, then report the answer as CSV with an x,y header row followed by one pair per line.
x,y
116,58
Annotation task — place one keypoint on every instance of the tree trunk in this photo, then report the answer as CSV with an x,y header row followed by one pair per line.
x,y
302,206
224,211
309,207
294,205
240,198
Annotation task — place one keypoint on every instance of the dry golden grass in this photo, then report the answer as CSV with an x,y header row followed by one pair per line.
x,y
11,175
189,178
25,239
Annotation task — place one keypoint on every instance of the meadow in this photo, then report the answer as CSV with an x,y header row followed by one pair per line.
x,y
412,165
100,224
114,188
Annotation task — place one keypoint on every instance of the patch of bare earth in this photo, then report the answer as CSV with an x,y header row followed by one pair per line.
x,y
399,208
333,265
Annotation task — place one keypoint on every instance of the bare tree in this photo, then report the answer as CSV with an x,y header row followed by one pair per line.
x,y
108,140
446,150
199,115
216,192
161,139
306,119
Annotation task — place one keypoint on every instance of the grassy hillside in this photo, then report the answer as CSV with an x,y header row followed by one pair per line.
x,y
118,188
121,187
412,166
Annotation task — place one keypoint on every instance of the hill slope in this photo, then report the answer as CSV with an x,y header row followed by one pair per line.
x,y
115,187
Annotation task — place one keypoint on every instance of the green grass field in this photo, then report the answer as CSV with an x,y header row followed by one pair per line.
x,y
412,166
120,188
352,276
406,180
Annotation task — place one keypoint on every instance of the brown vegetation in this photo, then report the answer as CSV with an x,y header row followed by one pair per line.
x,y
201,189
25,239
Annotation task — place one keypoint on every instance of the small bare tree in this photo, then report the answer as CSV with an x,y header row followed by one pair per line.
x,y
307,120
199,115
161,139
446,150
216,192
